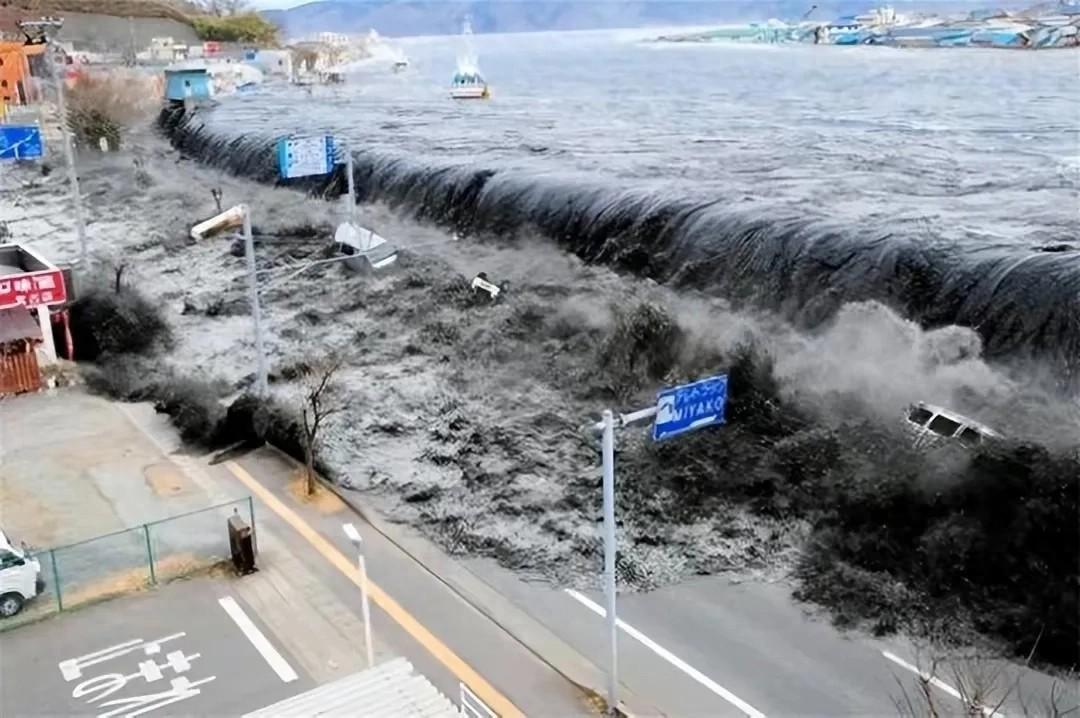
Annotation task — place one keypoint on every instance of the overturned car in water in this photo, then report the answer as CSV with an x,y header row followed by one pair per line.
x,y
931,425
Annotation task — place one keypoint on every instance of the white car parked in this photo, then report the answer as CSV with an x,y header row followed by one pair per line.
x,y
20,577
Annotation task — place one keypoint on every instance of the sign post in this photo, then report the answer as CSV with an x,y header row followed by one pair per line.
x,y
678,410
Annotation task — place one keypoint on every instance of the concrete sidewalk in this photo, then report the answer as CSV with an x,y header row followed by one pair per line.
x,y
441,633
74,466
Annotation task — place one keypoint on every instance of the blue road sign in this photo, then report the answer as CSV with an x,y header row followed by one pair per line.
x,y
305,156
689,407
21,142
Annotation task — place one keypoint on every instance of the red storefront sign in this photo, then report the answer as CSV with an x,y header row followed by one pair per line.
x,y
33,289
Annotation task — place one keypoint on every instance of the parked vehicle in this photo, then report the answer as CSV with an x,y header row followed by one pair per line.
x,y
20,577
932,424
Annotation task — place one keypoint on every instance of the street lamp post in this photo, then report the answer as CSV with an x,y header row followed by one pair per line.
x,y
357,542
256,310
44,30
606,427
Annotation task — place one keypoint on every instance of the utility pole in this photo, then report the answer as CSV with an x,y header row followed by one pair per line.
x,y
38,31
256,310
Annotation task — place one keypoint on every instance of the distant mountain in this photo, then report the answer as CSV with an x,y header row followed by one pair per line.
x,y
439,17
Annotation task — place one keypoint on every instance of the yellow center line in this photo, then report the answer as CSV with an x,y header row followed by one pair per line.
x,y
476,683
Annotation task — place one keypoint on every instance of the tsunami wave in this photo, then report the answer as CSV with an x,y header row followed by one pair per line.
x,y
1024,302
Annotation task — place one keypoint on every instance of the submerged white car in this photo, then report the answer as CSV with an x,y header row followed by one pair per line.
x,y
932,424
20,578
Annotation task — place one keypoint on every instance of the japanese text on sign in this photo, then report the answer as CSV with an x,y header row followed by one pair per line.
x,y
690,406
33,289
93,690
305,156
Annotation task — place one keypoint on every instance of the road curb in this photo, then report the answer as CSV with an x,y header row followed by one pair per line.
x,y
526,630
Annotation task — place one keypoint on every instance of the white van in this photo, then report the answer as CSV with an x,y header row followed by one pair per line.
x,y
932,424
20,578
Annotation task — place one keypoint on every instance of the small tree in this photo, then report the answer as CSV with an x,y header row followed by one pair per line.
x,y
321,401
979,688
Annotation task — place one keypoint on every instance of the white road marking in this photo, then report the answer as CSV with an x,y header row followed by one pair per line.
x,y
670,658
262,645
938,683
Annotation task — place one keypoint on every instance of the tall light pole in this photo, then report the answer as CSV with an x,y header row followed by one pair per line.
x,y
357,542
43,30
256,309
606,427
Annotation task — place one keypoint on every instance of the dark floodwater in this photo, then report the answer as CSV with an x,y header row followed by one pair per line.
x,y
801,176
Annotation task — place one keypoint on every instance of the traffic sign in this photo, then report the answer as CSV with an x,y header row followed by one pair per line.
x,y
305,156
689,407
21,142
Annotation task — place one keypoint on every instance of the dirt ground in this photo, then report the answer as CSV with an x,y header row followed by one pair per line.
x,y
469,418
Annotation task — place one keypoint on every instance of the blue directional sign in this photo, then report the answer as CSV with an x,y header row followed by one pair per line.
x,y
21,142
305,156
689,407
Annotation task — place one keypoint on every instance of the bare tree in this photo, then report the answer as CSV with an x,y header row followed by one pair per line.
x,y
321,402
979,688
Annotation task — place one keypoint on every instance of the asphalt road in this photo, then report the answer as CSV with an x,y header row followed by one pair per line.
x,y
710,647
477,643
103,659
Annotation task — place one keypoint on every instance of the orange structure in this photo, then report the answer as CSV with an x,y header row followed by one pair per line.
x,y
15,71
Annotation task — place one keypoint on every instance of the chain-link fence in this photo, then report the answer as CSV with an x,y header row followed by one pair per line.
x,y
132,559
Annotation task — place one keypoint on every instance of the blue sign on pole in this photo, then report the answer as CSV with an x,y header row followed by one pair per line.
x,y
305,156
21,142
689,407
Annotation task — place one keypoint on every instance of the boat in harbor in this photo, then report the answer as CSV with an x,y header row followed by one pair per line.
x,y
468,83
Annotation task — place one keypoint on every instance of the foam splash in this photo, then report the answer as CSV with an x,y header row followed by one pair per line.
x,y
1022,303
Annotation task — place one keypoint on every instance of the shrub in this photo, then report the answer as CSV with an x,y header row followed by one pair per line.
x,y
257,421
193,405
106,104
642,347
195,409
108,322
124,377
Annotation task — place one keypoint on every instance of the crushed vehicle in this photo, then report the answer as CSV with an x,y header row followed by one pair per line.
x,y
932,425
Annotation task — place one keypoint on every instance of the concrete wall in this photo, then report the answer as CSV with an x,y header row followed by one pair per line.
x,y
103,33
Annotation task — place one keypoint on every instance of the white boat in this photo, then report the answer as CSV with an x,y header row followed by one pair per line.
x,y
468,83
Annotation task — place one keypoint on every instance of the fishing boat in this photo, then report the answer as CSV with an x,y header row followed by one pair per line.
x,y
468,83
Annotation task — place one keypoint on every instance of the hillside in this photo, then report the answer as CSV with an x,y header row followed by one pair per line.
x,y
101,25
435,17
117,8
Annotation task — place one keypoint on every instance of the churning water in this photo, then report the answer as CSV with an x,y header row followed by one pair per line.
x,y
945,183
